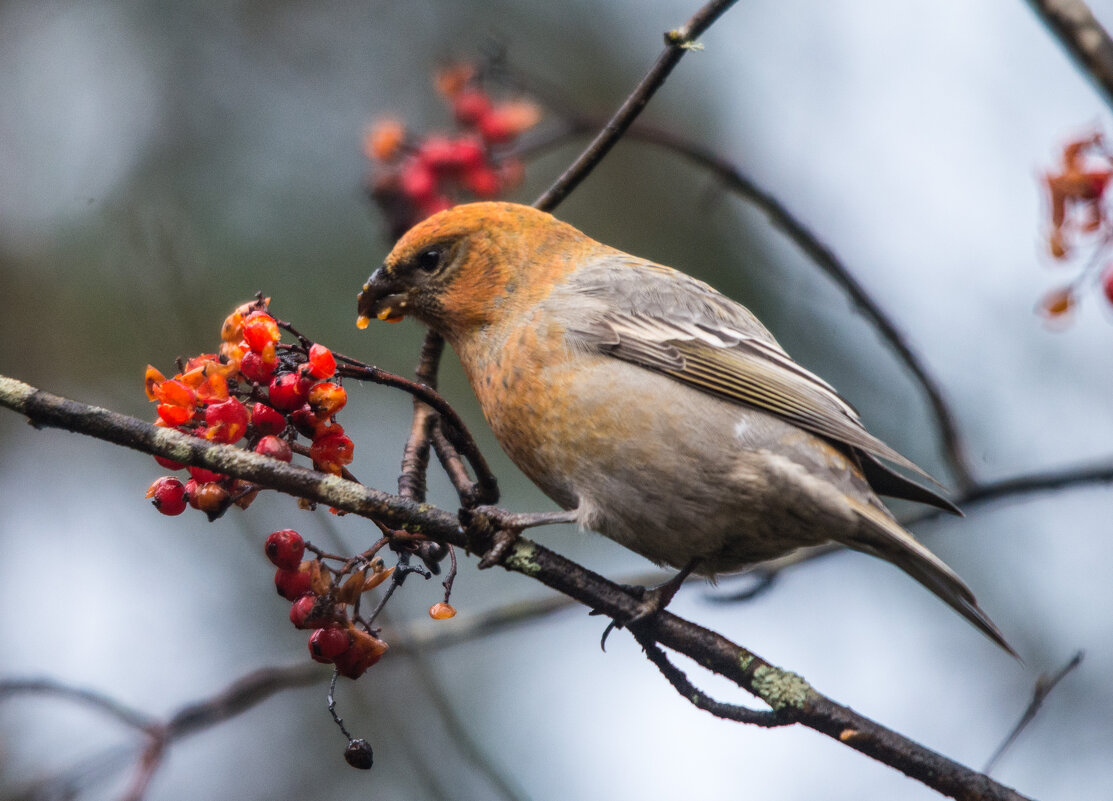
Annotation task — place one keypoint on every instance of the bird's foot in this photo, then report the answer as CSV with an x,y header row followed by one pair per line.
x,y
492,531
651,601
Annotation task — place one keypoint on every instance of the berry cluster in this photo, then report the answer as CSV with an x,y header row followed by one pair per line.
x,y
419,177
1079,217
256,390
326,600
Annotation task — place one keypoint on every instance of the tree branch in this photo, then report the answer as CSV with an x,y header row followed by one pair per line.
x,y
1083,37
677,43
786,693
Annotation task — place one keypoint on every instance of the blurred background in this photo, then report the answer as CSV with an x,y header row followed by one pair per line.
x,y
162,162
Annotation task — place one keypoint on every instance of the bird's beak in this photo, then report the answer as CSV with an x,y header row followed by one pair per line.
x,y
382,297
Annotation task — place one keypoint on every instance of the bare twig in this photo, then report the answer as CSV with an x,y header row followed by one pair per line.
x,y
415,457
1083,37
677,43
1044,685
676,677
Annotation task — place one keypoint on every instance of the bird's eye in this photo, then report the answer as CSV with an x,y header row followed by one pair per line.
x,y
429,260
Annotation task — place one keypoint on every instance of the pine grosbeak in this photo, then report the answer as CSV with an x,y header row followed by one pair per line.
x,y
660,412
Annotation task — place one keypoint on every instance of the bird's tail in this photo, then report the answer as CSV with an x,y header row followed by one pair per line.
x,y
883,537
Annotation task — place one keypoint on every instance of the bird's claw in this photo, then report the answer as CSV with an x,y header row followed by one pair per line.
x,y
491,531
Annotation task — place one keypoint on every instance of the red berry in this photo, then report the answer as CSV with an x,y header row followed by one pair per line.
x,y
331,452
321,364
289,391
285,549
326,399
168,495
266,420
204,476
254,368
174,415
293,583
226,421
274,447
418,182
470,153
327,644
438,153
470,105
210,498
169,464
304,613
364,651
1107,282
260,330
483,182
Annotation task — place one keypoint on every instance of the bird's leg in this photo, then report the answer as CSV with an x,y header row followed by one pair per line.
x,y
655,599
502,528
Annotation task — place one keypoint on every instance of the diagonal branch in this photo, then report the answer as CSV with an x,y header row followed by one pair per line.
x,y
677,43
789,695
1083,37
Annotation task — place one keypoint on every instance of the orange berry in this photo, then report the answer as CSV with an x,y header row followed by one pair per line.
x,y
442,611
383,140
151,381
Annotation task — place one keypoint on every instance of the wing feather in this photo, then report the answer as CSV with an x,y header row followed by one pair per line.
x,y
668,322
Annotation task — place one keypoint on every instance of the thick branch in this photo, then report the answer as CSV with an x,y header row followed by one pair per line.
x,y
785,692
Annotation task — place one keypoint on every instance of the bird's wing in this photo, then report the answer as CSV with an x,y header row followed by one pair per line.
x,y
666,321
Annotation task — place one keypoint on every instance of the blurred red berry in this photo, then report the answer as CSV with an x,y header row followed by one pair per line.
x,y
266,420
168,495
294,582
325,645
176,393
275,448
289,391
285,548
418,182
227,421
483,182
1107,282
470,105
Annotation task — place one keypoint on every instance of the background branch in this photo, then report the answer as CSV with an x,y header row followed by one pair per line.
x,y
1085,39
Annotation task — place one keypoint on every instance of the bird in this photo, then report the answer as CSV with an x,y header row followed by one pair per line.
x,y
650,407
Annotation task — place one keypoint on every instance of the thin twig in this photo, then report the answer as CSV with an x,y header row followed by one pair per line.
x,y
1083,37
677,43
1044,685
415,456
676,677
125,714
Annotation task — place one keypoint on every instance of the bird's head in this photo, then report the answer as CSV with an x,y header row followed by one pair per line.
x,y
463,269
